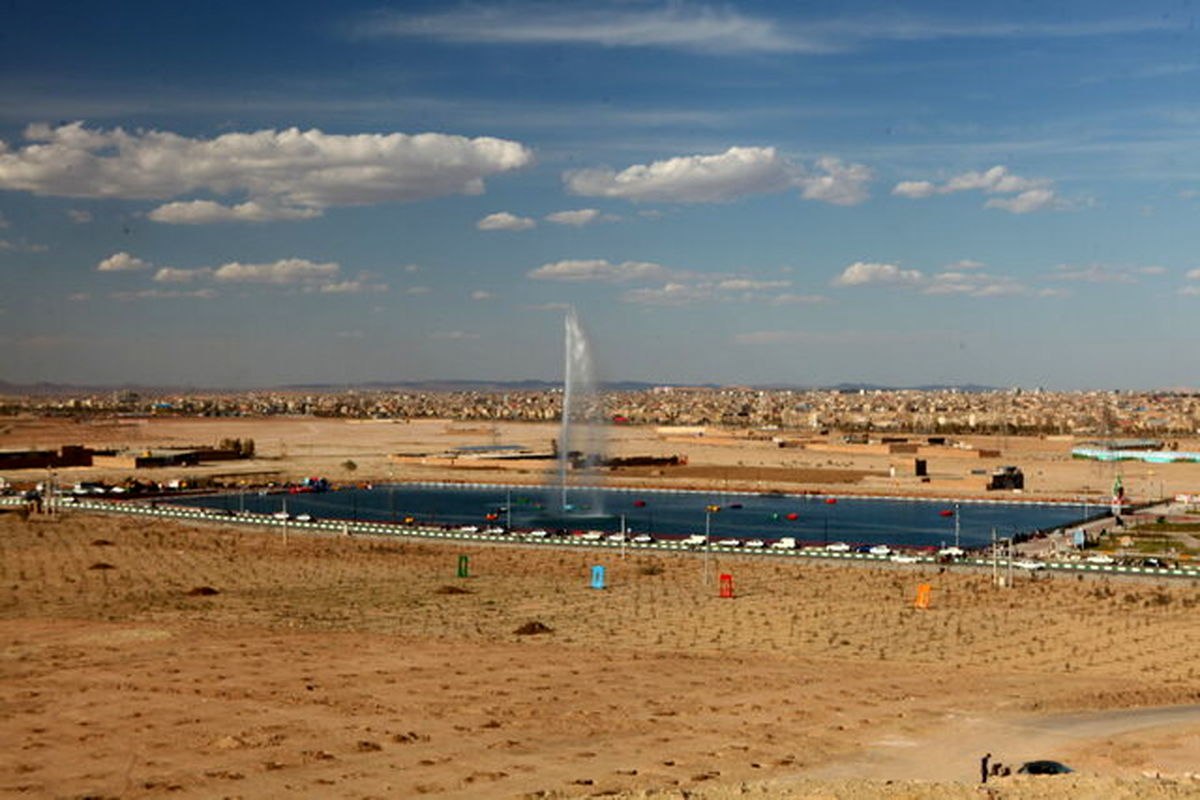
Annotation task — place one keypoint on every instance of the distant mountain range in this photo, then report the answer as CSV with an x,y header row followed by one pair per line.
x,y
52,389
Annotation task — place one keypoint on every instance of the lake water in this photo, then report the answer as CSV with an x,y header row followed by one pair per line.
x,y
808,518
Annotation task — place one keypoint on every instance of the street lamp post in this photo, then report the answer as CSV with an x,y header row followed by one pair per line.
x,y
391,497
708,512
956,525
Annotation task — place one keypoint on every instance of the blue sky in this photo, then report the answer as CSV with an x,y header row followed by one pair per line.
x,y
253,194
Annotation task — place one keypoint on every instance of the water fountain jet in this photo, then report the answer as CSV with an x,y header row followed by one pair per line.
x,y
581,442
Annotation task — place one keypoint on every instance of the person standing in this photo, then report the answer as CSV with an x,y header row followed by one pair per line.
x,y
983,767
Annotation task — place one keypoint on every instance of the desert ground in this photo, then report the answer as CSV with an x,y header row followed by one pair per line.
x,y
145,658
150,658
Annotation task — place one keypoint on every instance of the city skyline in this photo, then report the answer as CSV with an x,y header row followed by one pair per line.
x,y
259,195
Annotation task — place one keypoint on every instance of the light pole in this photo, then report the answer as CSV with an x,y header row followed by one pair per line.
x,y
708,512
391,497
956,525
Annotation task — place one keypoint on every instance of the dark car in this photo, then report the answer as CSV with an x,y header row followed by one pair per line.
x,y
1044,768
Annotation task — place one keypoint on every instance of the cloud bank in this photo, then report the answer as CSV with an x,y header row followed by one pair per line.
x,y
286,174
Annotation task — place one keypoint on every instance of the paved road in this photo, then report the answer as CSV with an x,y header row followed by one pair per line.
x,y
952,753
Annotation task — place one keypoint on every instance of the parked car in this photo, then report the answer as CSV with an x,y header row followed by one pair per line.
x,y
1044,767
838,547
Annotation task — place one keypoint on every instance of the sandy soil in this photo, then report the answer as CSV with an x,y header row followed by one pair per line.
x,y
144,658
293,448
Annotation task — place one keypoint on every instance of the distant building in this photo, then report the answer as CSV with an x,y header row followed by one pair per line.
x,y
71,455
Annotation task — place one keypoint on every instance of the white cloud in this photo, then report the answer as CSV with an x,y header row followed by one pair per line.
x,y
862,273
166,294
974,284
675,26
1103,273
1025,202
175,275
417,291
204,212
457,336
710,29
310,276
282,173
997,180
672,294
79,297
1193,275
961,278
9,246
504,221
789,299
480,294
286,271
738,172
79,216
599,269
749,285
1190,290
352,287
579,217
122,262
914,189
837,183
1030,194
